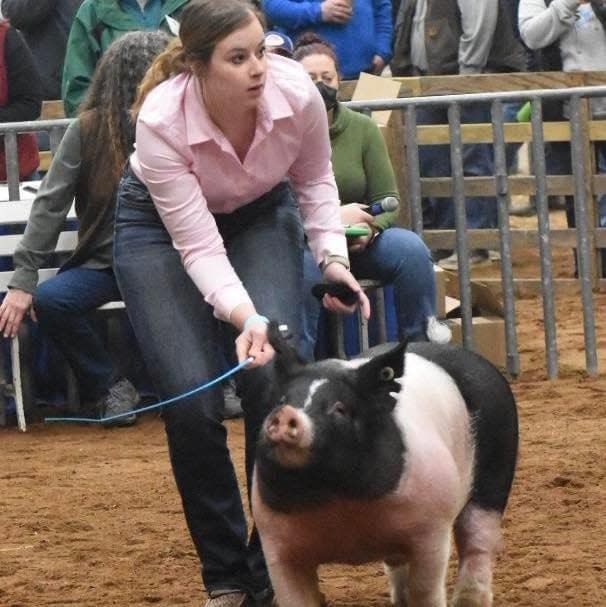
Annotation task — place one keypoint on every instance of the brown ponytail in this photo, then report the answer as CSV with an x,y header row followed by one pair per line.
x,y
171,61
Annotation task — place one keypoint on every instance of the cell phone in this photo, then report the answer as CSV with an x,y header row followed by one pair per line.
x,y
355,231
336,289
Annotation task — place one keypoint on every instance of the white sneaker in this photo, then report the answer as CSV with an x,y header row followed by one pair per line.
x,y
437,332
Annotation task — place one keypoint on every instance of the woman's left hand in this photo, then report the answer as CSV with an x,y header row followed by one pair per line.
x,y
336,272
253,342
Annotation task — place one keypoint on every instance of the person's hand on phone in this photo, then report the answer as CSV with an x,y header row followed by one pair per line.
x,y
336,272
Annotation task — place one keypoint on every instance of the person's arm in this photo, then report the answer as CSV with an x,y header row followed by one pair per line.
x,y
478,24
24,86
81,57
314,184
383,29
380,178
27,14
293,15
49,210
541,25
47,216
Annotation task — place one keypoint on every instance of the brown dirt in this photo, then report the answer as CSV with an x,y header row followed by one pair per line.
x,y
92,517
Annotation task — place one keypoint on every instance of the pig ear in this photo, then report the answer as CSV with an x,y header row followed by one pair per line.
x,y
288,361
382,370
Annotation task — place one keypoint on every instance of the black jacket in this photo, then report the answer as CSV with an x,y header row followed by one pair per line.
x,y
45,25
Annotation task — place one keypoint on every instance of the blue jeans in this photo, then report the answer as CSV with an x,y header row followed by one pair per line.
x,y
478,161
62,304
184,345
396,256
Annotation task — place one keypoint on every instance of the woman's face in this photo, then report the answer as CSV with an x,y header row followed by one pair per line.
x,y
237,68
321,68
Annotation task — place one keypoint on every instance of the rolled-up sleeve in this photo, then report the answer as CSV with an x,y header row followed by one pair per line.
x,y
313,181
177,194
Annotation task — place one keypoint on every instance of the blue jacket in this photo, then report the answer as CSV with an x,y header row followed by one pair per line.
x,y
369,32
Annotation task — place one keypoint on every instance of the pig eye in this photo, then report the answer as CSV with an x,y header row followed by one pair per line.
x,y
386,374
339,408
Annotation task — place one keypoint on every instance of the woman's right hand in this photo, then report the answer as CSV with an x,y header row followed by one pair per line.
x,y
336,272
354,213
14,307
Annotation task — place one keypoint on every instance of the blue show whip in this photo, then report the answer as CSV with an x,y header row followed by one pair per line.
x,y
168,401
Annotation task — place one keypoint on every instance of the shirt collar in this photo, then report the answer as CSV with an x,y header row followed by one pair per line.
x,y
199,126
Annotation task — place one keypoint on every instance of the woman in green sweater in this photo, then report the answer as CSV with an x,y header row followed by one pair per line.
x,y
364,175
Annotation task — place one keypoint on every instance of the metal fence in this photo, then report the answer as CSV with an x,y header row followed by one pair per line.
x,y
587,235
585,230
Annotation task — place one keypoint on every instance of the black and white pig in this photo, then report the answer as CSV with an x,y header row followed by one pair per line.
x,y
380,459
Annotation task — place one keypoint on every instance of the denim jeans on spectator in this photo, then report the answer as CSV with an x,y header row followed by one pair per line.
x,y
397,257
62,304
183,347
478,161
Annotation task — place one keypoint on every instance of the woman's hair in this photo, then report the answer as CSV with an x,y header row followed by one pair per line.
x,y
105,120
204,23
309,43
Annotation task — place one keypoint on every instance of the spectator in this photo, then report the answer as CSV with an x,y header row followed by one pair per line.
x,y
208,233
364,174
360,30
20,98
87,165
98,23
456,37
45,26
578,28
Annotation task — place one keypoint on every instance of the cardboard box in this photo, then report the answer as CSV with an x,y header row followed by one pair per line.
x,y
376,87
487,323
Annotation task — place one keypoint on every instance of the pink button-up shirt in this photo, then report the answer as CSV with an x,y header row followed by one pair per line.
x,y
192,171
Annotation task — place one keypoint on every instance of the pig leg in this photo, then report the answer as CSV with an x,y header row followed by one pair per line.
x,y
397,572
478,540
427,570
295,585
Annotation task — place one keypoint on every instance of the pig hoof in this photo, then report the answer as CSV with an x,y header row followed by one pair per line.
x,y
469,598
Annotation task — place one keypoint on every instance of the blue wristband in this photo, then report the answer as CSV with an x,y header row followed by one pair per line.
x,y
254,318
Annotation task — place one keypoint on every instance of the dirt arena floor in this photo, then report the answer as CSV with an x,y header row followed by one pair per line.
x,y
90,516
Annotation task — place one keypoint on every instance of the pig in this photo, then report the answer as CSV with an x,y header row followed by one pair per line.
x,y
379,459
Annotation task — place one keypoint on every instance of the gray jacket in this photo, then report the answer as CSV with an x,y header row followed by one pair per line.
x,y
49,210
581,36
461,37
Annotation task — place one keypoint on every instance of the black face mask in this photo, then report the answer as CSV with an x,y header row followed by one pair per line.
x,y
329,94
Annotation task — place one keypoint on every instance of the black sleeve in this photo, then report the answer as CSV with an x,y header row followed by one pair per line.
x,y
26,14
24,86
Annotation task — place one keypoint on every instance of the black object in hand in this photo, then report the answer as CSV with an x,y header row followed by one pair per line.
x,y
336,289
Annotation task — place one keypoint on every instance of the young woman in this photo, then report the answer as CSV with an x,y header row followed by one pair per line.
x,y
209,244
87,166
364,174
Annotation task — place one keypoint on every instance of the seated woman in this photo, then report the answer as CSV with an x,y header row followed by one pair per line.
x,y
364,175
87,167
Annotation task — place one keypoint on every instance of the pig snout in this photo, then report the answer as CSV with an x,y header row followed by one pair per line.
x,y
288,430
